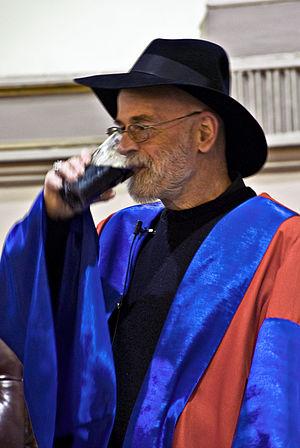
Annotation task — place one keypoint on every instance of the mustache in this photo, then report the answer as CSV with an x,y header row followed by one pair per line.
x,y
138,160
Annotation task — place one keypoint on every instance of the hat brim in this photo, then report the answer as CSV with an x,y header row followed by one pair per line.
x,y
246,146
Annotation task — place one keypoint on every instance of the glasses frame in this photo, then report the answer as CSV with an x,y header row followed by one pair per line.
x,y
145,127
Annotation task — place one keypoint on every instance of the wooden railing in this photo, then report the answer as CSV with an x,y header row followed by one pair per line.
x,y
269,86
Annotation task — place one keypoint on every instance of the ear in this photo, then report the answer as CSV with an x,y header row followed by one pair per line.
x,y
207,131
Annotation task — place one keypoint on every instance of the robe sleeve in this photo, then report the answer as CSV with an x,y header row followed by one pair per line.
x,y
56,236
68,365
270,413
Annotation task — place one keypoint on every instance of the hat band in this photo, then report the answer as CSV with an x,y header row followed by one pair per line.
x,y
171,70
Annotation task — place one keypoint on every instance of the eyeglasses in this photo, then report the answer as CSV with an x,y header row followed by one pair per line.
x,y
139,132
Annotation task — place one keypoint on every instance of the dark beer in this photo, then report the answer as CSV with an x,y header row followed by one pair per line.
x,y
95,181
108,168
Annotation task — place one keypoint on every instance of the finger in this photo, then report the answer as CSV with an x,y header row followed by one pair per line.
x,y
69,170
78,165
53,181
86,156
75,166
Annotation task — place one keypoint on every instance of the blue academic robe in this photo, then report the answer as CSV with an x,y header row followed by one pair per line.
x,y
69,374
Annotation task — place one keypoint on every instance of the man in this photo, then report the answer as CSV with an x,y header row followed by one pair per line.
x,y
183,330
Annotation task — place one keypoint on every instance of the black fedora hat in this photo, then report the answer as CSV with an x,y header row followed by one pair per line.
x,y
200,68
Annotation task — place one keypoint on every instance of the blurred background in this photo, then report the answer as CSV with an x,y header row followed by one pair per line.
x,y
44,116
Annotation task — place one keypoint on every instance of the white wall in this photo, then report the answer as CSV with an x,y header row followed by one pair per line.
x,y
44,37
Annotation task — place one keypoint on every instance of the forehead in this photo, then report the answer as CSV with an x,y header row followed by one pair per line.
x,y
161,101
145,98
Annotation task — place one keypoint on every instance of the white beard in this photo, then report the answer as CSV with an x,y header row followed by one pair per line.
x,y
162,178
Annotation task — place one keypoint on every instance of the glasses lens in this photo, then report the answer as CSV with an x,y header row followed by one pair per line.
x,y
138,132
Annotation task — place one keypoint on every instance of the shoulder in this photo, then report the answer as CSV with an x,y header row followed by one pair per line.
x,y
276,283
289,228
285,245
284,261
289,231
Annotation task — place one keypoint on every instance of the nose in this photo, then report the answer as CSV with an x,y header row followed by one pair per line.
x,y
126,145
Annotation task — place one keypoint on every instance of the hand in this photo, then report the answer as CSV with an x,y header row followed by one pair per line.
x,y
69,171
